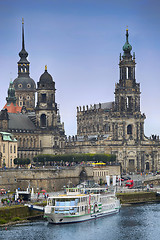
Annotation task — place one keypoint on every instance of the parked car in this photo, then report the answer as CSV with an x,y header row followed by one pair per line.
x,y
129,183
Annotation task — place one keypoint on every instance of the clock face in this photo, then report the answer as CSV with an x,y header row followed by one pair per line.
x,y
43,104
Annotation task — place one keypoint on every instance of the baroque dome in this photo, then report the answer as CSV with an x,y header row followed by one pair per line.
x,y
24,83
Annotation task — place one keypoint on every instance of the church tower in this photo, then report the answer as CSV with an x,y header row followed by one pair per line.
x,y
25,87
52,135
11,104
46,109
127,97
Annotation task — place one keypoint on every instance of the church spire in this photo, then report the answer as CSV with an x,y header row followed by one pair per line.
x,y
23,47
23,64
23,53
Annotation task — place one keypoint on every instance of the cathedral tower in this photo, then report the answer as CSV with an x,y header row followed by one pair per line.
x,y
24,85
127,96
127,92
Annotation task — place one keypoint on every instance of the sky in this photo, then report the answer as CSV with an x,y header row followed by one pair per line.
x,y
80,42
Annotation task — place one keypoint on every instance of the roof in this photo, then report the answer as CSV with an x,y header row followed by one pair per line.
x,y
24,83
106,105
20,121
12,108
8,137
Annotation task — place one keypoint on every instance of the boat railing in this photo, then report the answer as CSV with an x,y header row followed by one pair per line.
x,y
84,190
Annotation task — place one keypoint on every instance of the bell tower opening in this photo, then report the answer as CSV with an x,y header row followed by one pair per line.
x,y
43,120
129,129
122,107
43,97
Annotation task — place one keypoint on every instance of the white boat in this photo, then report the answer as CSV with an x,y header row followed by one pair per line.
x,y
78,205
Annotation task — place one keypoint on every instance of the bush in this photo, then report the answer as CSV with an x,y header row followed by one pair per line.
x,y
14,219
3,221
20,161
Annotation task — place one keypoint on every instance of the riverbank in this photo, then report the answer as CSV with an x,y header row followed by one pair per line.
x,y
138,197
14,214
11,215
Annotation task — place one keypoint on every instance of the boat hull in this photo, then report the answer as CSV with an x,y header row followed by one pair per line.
x,y
63,219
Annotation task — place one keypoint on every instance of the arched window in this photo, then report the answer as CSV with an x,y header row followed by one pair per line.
x,y
27,142
31,141
147,165
43,120
123,73
129,129
20,142
83,176
129,103
24,142
34,143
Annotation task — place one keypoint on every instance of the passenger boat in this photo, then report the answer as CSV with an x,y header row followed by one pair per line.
x,y
78,205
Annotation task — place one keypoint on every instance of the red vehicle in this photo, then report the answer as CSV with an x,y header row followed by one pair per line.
x,y
129,183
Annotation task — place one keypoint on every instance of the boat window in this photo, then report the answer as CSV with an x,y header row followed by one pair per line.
x,y
50,202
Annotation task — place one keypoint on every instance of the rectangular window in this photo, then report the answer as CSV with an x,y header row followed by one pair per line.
x,y
3,148
11,149
14,148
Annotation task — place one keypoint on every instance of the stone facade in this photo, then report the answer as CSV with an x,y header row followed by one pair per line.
x,y
100,173
8,150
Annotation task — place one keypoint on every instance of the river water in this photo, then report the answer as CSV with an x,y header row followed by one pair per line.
x,y
132,223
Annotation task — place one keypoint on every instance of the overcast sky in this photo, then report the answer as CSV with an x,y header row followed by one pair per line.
x,y
80,42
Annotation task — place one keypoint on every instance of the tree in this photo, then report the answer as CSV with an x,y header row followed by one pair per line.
x,y
80,157
20,161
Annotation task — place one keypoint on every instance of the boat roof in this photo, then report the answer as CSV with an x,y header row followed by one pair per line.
x,y
69,196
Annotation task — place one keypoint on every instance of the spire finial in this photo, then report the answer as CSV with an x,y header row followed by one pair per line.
x,y
45,67
127,34
23,47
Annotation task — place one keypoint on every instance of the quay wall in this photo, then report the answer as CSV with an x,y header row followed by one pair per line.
x,y
138,197
17,213
52,179
48,179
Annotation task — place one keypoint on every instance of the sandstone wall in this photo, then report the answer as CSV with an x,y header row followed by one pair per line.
x,y
48,179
